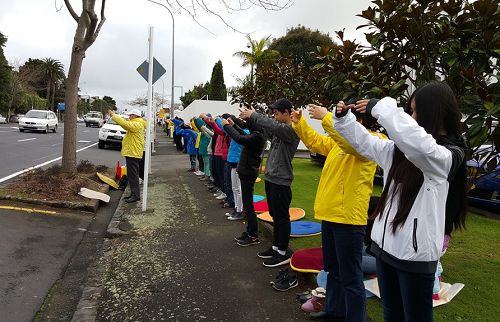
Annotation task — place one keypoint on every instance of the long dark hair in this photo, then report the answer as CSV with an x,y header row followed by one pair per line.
x,y
437,112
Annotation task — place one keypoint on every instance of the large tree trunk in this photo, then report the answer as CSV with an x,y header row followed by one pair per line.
x,y
53,97
70,113
49,82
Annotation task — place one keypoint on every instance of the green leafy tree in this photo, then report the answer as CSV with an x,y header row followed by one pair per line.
x,y
300,44
217,89
110,101
198,92
53,73
258,56
5,74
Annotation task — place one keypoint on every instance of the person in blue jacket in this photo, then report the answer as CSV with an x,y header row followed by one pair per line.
x,y
190,137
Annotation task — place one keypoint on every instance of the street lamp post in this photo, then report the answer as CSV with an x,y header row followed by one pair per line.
x,y
173,60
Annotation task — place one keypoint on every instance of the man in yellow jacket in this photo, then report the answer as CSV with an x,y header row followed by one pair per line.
x,y
132,148
341,204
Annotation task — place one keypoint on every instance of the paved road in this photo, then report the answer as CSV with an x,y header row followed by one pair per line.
x,y
20,151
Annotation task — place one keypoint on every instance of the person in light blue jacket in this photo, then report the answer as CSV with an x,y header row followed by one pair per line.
x,y
190,137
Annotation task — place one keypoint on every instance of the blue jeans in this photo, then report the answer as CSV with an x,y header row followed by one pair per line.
x,y
342,253
406,297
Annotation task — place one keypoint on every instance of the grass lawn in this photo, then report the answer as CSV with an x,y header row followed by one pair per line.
x,y
472,258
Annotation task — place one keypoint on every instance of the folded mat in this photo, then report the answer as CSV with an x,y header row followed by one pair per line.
x,y
295,214
305,228
257,198
309,260
260,206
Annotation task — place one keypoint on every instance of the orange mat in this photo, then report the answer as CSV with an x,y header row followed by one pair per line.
x,y
295,214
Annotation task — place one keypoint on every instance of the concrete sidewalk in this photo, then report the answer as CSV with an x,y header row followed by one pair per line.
x,y
180,261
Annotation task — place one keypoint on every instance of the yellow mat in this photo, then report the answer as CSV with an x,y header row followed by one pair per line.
x,y
112,183
295,214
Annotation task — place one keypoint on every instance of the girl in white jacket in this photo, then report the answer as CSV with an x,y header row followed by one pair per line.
x,y
422,162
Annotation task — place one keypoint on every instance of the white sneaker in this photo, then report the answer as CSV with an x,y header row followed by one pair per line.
x,y
221,196
199,173
141,181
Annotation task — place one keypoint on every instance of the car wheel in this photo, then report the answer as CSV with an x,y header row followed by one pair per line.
x,y
47,129
54,129
86,125
101,144
21,130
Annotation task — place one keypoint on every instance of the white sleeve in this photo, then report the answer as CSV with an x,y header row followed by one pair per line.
x,y
418,146
372,147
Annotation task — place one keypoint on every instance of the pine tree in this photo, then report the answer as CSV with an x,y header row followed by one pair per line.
x,y
217,91
5,74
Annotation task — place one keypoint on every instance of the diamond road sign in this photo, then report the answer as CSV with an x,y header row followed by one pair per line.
x,y
158,70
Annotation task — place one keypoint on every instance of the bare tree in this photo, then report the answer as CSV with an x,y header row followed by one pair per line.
x,y
87,30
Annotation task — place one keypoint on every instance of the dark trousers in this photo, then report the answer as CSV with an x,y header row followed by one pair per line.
x,y
247,185
218,171
133,175
178,142
141,166
201,165
405,296
228,187
342,254
278,201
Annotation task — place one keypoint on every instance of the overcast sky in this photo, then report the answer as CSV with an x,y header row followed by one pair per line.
x,y
36,30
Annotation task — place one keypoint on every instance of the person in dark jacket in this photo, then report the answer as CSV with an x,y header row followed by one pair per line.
x,y
248,170
279,174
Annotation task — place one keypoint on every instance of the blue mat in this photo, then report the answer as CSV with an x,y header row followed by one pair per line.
x,y
305,228
257,198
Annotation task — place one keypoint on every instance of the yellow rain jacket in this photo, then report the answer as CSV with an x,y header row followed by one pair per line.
x,y
133,142
346,181
195,128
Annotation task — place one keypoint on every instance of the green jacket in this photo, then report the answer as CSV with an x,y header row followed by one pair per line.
x,y
204,139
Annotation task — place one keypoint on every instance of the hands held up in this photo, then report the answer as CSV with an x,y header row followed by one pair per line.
x,y
246,112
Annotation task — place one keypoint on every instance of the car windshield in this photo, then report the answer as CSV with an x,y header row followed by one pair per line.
x,y
110,121
93,115
37,114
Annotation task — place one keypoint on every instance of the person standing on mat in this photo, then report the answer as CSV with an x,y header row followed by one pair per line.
x,y
132,148
279,174
248,169
341,204
424,179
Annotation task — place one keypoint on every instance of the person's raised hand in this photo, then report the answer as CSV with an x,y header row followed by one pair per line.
x,y
317,112
230,121
224,121
296,115
203,115
360,105
246,112
111,112
342,107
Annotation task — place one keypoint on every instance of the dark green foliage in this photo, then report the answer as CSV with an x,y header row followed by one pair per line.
x,y
5,74
217,90
198,92
300,44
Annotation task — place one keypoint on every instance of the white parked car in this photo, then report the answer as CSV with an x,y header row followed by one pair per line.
x,y
111,133
93,118
38,120
3,120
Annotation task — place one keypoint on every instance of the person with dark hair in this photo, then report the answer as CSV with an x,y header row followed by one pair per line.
x,y
341,204
279,174
423,196
253,144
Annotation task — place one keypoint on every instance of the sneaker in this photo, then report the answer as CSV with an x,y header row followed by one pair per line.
x,y
199,173
249,241
243,236
286,283
236,216
141,181
217,193
229,214
267,253
221,196
277,260
226,205
283,273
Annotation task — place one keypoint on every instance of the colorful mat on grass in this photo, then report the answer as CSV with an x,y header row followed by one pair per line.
x,y
108,180
446,293
257,198
295,214
309,260
260,206
305,228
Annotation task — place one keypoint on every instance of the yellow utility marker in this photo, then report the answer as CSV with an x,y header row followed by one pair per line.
x,y
48,212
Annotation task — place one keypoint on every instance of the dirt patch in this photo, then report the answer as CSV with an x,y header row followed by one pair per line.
x,y
53,185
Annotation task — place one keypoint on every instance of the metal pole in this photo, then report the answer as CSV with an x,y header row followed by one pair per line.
x,y
173,54
148,118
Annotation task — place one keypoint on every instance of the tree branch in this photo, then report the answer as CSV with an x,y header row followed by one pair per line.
x,y
71,11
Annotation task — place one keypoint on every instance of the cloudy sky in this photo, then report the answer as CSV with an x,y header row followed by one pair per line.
x,y
35,29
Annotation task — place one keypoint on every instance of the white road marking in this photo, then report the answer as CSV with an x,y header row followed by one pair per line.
x,y
12,127
40,165
84,141
23,140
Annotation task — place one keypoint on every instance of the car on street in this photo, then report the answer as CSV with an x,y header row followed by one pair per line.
x,y
93,118
14,118
111,133
38,120
79,119
3,120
